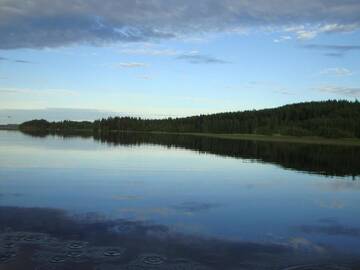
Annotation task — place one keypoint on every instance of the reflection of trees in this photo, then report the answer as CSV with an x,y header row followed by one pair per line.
x,y
66,134
321,159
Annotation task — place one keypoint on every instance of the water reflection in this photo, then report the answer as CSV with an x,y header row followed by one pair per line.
x,y
319,159
331,229
42,238
143,201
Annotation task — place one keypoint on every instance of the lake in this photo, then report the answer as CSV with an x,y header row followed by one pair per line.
x,y
147,201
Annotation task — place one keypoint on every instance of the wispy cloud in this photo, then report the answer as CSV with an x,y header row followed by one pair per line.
x,y
339,90
193,57
25,91
17,116
23,62
307,32
333,50
19,61
301,32
131,65
334,54
282,39
339,28
336,71
145,77
7,91
196,58
149,51
283,92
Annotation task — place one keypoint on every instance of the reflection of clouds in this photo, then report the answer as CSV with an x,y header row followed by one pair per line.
x,y
330,229
125,197
90,217
188,227
186,208
11,194
328,220
144,237
262,184
191,207
300,243
334,204
132,182
143,213
339,185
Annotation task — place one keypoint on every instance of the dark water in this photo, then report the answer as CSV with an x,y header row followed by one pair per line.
x,y
142,201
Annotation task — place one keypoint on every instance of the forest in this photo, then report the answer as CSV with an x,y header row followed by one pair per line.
x,y
329,119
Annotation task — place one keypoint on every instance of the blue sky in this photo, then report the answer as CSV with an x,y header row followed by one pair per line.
x,y
88,59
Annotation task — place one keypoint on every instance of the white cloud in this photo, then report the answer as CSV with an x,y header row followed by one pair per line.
x,y
25,91
307,32
195,58
130,65
333,50
17,116
336,71
145,77
341,90
149,51
302,32
305,35
282,39
283,92
335,28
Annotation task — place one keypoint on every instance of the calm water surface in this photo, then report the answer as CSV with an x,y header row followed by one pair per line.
x,y
142,201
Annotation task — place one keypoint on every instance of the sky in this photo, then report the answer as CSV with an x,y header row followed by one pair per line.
x,y
87,59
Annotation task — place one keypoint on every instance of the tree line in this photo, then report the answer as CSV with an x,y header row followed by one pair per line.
x,y
331,119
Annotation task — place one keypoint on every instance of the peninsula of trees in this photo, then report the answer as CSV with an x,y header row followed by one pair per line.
x,y
329,119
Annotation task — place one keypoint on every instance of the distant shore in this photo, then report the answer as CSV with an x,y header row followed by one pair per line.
x,y
334,122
